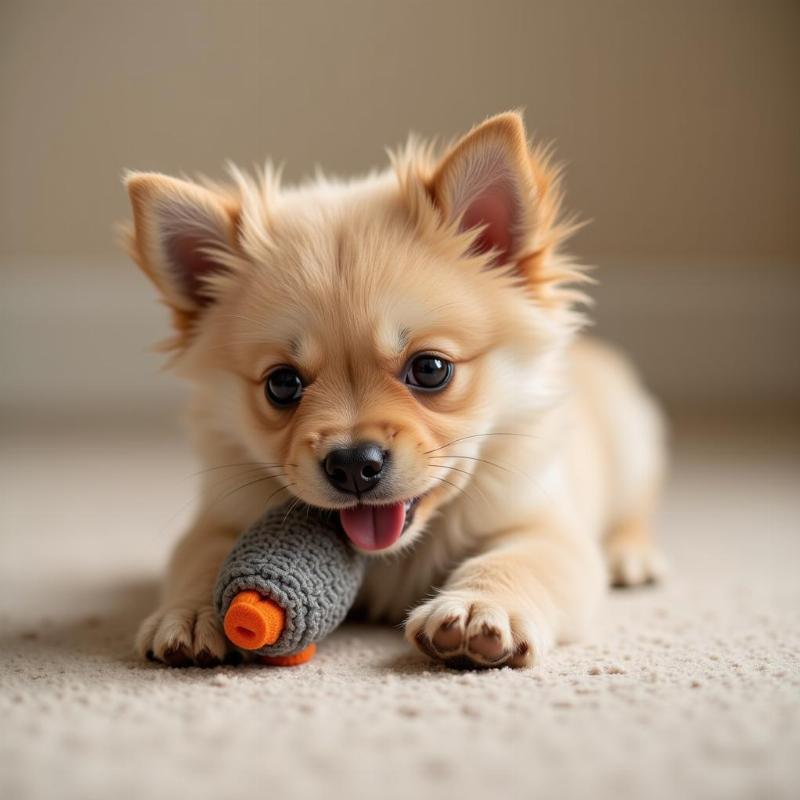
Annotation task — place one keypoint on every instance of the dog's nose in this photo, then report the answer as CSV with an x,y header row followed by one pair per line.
x,y
355,469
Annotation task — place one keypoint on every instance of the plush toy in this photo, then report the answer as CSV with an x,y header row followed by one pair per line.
x,y
288,582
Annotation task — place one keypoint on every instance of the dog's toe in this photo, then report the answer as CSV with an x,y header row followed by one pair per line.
x,y
635,566
177,656
449,636
425,644
182,637
488,645
206,659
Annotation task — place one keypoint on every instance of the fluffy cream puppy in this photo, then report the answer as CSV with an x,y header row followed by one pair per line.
x,y
403,348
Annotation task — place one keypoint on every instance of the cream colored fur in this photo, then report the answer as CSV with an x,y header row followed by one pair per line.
x,y
537,467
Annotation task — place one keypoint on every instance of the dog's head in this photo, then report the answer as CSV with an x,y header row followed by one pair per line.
x,y
363,340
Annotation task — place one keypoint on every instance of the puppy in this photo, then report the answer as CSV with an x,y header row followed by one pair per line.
x,y
403,348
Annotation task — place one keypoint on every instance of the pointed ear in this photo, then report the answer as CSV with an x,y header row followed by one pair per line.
x,y
486,180
179,231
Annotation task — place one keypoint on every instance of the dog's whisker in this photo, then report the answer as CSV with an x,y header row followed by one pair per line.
x,y
482,460
258,464
511,470
279,489
457,488
464,472
534,483
455,469
218,484
476,436
292,506
248,473
251,483
215,501
245,486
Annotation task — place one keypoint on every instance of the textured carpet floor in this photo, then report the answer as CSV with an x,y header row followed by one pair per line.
x,y
691,689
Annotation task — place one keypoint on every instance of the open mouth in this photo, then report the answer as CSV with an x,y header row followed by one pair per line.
x,y
376,527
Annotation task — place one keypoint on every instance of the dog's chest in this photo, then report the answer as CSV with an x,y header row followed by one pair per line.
x,y
394,584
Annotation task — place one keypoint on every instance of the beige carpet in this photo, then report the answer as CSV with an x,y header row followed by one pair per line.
x,y
688,690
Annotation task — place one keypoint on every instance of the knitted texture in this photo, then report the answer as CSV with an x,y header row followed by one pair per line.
x,y
299,560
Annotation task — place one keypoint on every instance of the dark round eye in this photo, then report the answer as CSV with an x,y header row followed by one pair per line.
x,y
283,387
429,373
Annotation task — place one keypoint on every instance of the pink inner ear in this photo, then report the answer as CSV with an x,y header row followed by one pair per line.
x,y
494,208
190,264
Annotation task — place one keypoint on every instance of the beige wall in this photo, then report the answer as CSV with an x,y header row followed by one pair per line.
x,y
679,120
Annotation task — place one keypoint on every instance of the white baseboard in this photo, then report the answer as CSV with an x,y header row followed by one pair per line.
x,y
74,337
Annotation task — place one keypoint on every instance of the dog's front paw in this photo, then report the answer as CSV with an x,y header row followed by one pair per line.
x,y
467,631
183,636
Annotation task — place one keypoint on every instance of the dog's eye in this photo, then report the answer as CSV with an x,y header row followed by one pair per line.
x,y
283,387
429,373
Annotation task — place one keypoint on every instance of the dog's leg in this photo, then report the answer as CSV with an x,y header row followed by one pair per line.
x,y
509,604
631,554
185,630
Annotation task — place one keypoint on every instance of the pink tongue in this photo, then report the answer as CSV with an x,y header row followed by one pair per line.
x,y
373,527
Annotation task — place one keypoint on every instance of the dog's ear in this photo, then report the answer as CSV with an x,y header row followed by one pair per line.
x,y
485,180
181,233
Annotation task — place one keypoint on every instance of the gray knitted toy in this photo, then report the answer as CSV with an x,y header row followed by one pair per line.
x,y
288,582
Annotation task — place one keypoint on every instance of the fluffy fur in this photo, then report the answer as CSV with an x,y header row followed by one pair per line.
x,y
538,466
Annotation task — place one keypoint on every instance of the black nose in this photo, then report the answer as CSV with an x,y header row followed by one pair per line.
x,y
354,469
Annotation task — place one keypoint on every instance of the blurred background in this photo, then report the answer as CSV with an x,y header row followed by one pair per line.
x,y
678,123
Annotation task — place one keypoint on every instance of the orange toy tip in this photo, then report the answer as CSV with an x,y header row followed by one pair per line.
x,y
253,621
291,660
